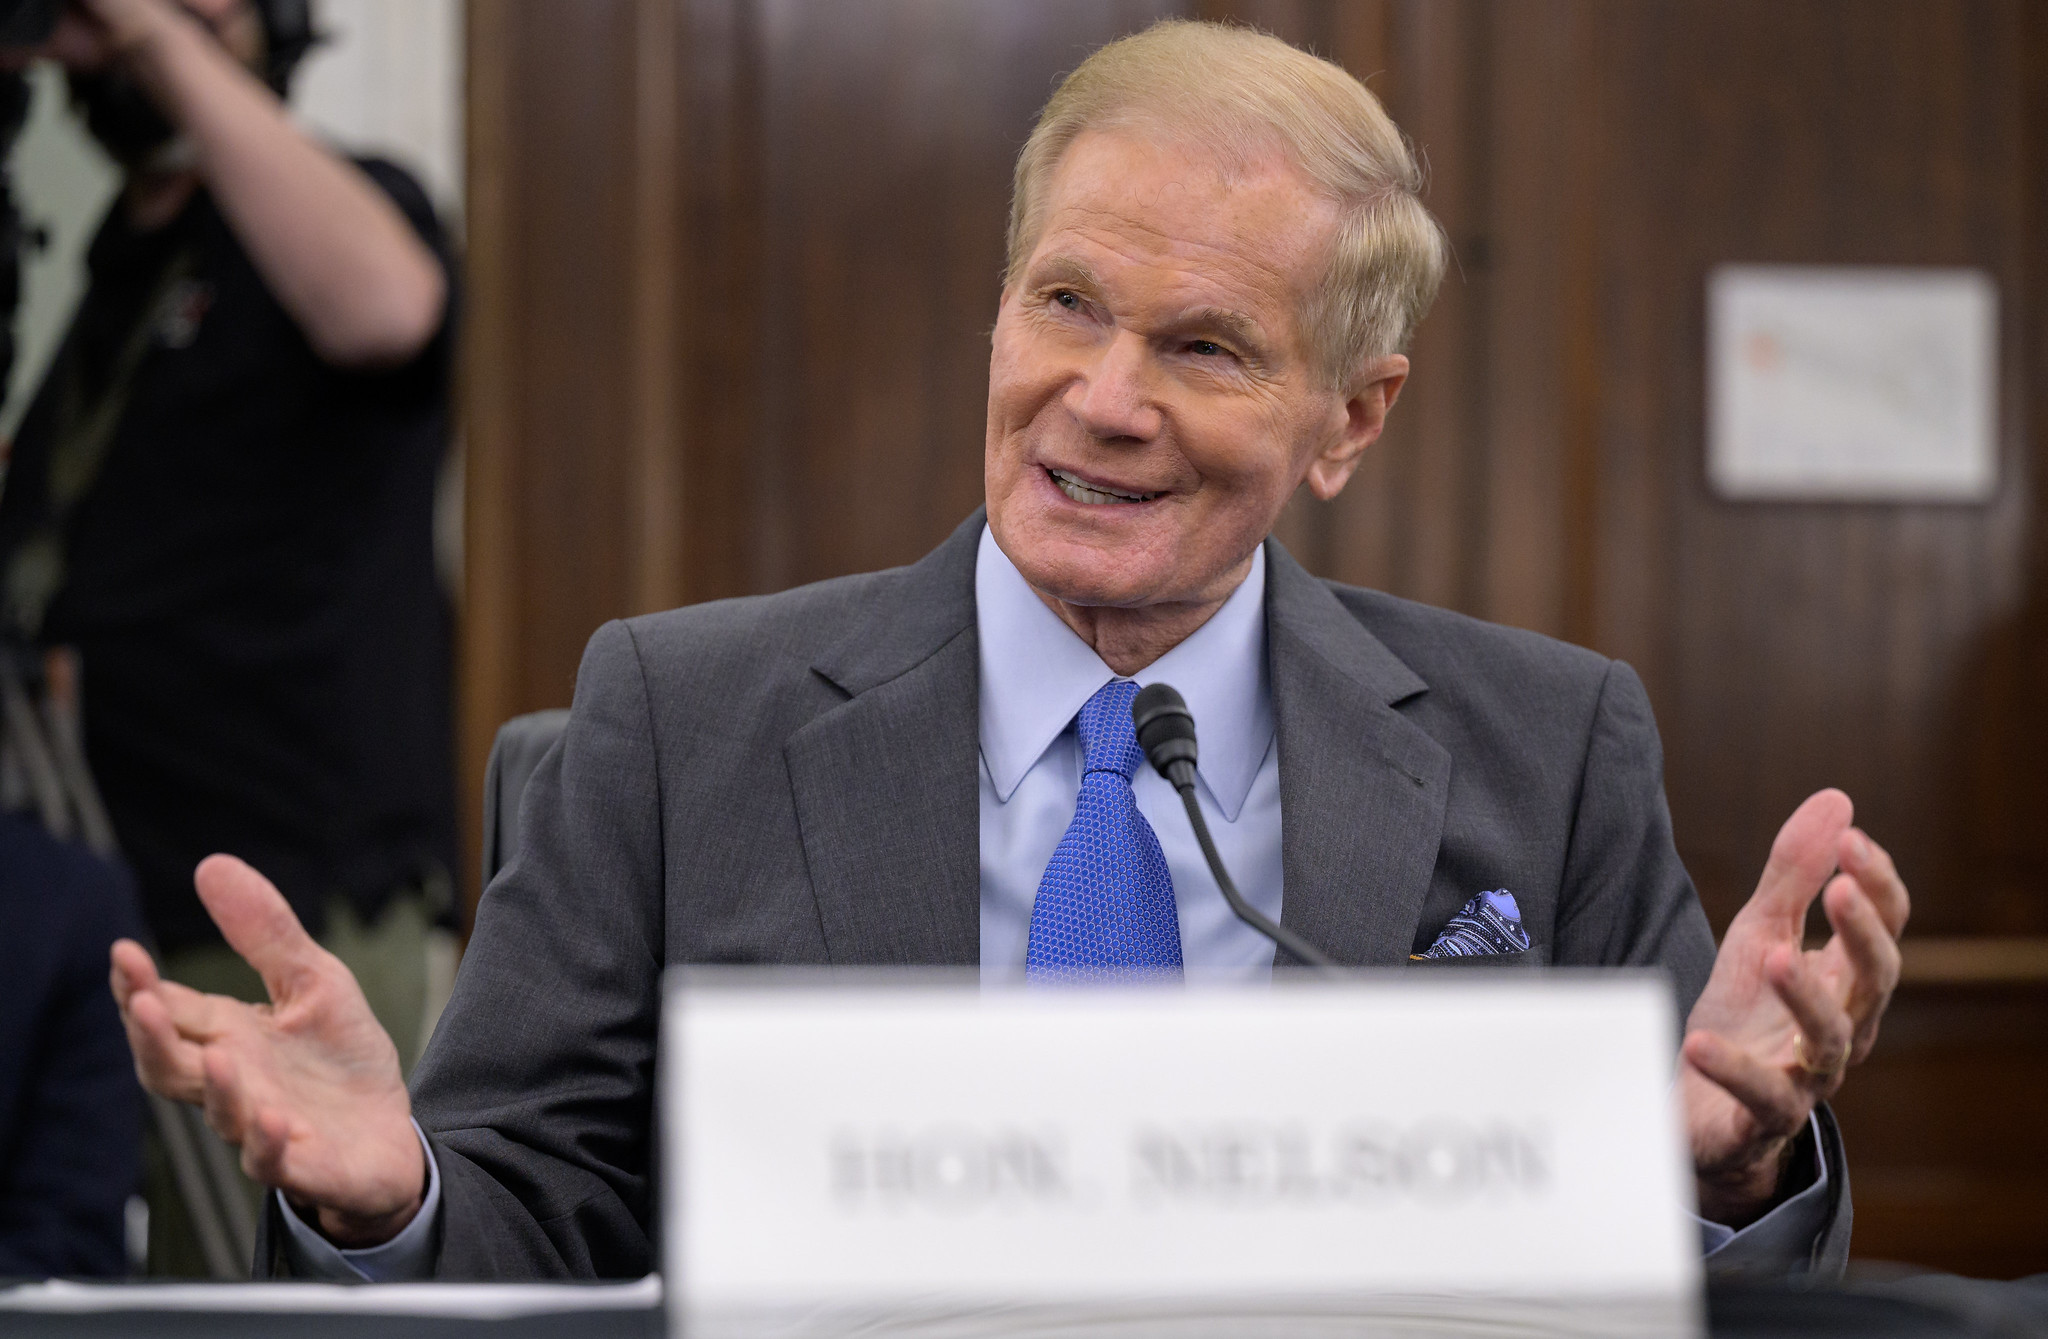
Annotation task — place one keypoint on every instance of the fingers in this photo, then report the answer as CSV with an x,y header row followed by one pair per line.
x,y
1871,866
223,1097
209,1078
168,1025
198,1016
257,923
166,1063
130,968
177,1024
1805,853
1824,1023
263,1133
1776,1103
1873,957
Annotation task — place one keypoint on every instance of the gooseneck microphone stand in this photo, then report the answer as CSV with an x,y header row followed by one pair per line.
x,y
1166,731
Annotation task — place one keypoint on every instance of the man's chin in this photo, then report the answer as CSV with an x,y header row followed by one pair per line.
x,y
1079,561
1092,578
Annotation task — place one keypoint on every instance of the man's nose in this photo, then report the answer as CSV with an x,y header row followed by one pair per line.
x,y
1112,397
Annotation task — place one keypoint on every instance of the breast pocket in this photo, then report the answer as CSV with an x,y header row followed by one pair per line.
x,y
1536,955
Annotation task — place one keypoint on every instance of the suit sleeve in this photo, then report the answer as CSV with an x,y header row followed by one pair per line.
x,y
537,1089
1627,900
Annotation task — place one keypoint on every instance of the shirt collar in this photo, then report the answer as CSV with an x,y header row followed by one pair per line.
x,y
1036,675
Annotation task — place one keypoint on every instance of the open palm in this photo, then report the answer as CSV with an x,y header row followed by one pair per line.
x,y
307,1085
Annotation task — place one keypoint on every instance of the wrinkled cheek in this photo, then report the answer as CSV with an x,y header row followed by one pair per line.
x,y
1005,439
1267,477
1008,448
1018,421
1006,465
1245,504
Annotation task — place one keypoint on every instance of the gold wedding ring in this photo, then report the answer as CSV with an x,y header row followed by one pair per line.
x,y
1805,1061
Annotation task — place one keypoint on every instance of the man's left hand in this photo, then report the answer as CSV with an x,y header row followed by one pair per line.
x,y
1779,1024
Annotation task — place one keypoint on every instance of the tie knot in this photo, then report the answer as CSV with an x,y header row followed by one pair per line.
x,y
1109,743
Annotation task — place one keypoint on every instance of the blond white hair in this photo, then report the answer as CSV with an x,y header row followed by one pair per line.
x,y
1241,93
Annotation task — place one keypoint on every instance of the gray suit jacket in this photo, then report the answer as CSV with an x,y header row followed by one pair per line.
x,y
792,779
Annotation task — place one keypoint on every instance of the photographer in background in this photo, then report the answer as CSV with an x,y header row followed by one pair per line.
x,y
222,496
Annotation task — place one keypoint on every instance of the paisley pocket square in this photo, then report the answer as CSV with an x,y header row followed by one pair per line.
x,y
1490,923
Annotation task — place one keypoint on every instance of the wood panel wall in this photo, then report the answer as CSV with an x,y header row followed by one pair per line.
x,y
733,263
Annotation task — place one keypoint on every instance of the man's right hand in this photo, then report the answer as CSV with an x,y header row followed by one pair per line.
x,y
308,1085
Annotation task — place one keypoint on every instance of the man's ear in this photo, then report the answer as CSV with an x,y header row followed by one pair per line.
x,y
1365,417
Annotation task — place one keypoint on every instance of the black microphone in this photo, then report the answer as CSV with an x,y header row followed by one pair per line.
x,y
1166,731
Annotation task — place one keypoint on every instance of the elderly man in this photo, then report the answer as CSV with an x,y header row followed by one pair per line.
x,y
1216,256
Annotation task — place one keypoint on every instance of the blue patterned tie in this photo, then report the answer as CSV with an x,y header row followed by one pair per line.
x,y
1105,906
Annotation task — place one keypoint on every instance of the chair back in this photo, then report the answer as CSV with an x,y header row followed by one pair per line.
x,y
518,749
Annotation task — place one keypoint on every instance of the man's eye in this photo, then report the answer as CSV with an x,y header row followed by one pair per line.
x,y
1205,348
1070,300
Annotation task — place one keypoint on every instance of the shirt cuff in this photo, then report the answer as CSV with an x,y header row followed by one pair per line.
x,y
405,1258
1781,1240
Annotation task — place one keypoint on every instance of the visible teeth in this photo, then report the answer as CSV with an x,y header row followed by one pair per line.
x,y
1081,492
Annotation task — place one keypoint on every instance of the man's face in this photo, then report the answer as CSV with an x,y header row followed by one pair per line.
x,y
1151,349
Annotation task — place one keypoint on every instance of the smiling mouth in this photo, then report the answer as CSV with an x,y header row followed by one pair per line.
x,y
1092,495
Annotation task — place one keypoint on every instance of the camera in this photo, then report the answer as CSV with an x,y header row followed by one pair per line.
x,y
288,33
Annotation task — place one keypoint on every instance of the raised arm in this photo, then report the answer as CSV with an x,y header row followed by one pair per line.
x,y
333,249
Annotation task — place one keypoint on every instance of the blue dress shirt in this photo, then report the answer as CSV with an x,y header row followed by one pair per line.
x,y
1035,675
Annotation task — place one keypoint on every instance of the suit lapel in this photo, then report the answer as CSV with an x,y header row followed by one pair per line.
x,y
1362,789
886,791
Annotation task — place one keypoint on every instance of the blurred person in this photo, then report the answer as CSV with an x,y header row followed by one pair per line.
x,y
222,497
1217,255
70,1109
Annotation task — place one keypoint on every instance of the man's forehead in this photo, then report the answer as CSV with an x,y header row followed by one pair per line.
x,y
1258,231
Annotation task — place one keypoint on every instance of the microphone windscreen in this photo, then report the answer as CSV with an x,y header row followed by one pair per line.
x,y
1165,726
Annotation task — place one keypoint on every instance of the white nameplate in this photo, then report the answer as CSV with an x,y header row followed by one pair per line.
x,y
919,1157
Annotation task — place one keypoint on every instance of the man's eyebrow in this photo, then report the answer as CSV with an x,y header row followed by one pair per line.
x,y
1067,270
1234,326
